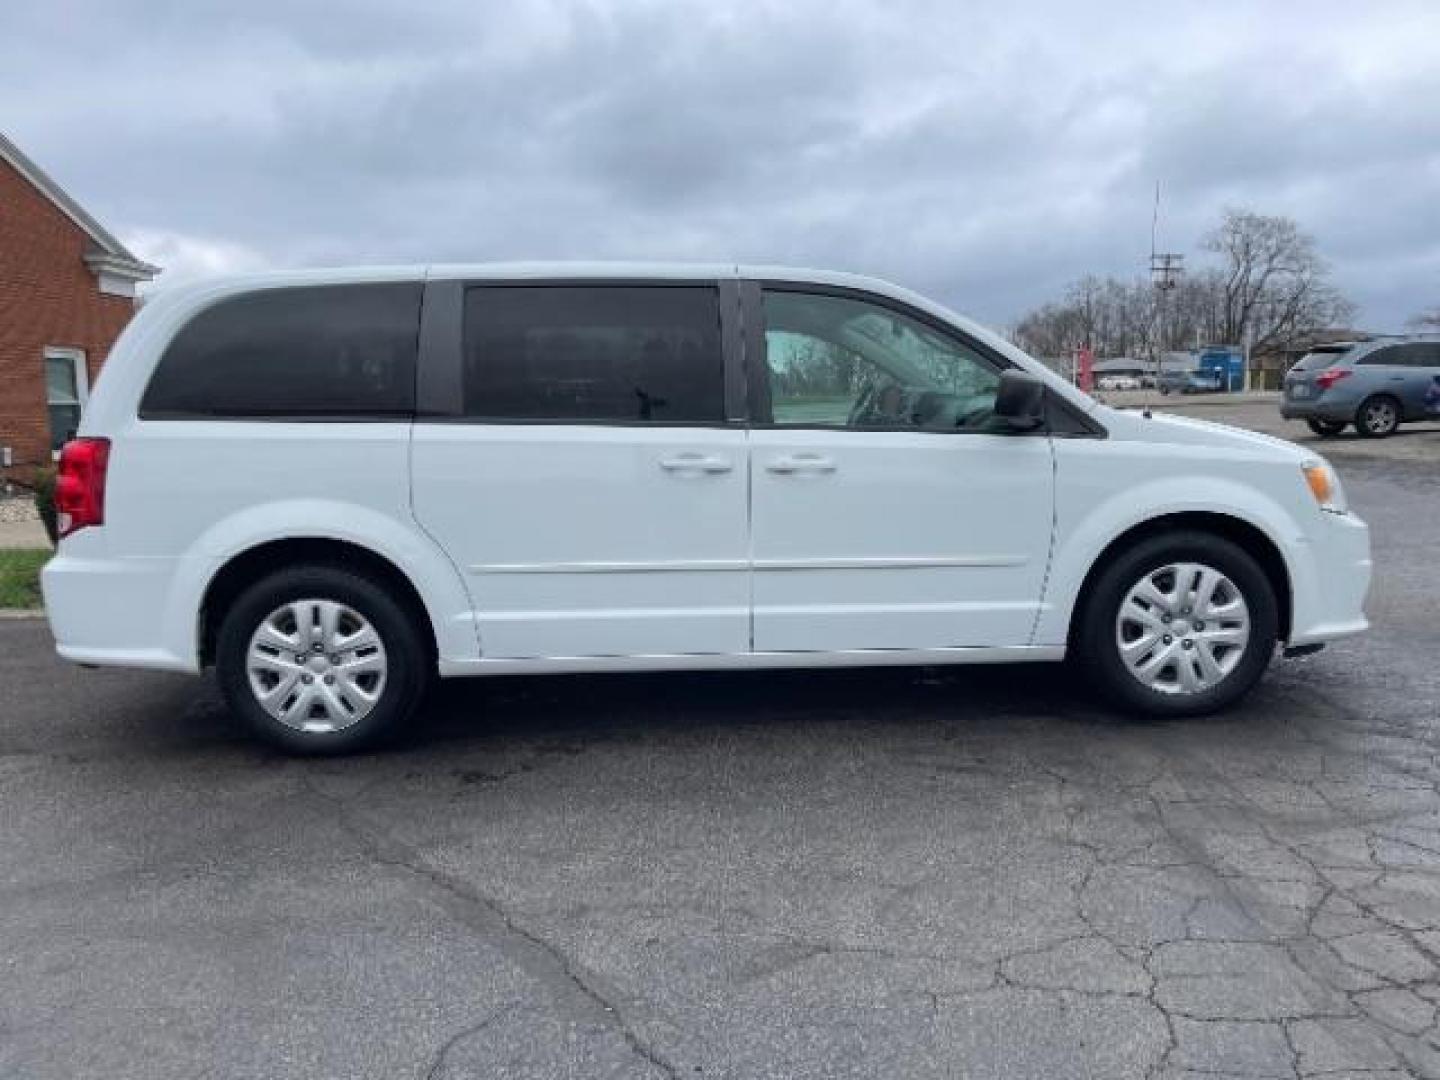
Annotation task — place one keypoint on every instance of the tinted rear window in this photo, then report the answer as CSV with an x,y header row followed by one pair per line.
x,y
335,351
1422,354
596,353
1388,356
1315,361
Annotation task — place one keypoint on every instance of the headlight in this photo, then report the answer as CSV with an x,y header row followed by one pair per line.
x,y
1325,486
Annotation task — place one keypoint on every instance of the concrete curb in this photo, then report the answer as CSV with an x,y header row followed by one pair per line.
x,y
22,613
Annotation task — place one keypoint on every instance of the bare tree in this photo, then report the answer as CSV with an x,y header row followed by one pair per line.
x,y
1274,283
1270,281
1117,317
1427,320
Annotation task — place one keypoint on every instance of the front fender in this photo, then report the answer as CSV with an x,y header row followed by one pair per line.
x,y
1083,532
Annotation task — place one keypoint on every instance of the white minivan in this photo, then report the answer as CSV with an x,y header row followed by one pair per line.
x,y
333,485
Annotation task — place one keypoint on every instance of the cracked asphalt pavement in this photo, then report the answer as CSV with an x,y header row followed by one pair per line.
x,y
893,873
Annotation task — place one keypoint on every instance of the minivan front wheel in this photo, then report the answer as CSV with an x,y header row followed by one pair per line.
x,y
319,659
1378,416
1181,624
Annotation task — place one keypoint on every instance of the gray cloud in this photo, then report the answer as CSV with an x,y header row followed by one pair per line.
x,y
983,154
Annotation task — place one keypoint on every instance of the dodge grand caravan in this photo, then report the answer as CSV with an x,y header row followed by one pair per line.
x,y
331,486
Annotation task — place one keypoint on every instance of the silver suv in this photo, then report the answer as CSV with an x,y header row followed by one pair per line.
x,y
1375,385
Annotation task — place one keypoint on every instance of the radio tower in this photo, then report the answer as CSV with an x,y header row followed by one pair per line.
x,y
1165,270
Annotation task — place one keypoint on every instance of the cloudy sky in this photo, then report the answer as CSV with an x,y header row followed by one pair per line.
x,y
982,153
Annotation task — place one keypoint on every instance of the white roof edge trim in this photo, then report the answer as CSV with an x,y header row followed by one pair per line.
x,y
118,258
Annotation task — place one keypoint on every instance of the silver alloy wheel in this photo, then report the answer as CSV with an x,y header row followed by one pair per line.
x,y
1182,628
1381,416
316,665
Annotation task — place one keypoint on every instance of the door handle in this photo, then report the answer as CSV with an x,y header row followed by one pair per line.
x,y
800,463
696,463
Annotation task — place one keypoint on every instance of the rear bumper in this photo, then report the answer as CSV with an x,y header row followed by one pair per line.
x,y
1331,580
1317,409
108,612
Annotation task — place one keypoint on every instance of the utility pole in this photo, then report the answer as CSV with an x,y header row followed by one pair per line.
x,y
1165,270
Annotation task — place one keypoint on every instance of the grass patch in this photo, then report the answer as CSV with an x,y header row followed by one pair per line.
x,y
20,577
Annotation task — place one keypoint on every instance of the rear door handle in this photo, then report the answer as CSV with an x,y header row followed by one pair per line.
x,y
696,463
800,463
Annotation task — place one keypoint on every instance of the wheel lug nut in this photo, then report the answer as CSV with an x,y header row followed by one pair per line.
x,y
1199,625
1166,640
307,679
1165,619
329,680
335,659
1187,643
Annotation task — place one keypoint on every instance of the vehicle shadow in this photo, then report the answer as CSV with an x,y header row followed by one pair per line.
x,y
599,707
1350,435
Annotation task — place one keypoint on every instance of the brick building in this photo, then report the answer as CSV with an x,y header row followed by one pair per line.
x,y
67,287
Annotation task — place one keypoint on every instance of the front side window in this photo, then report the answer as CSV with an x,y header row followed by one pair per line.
x,y
834,361
318,352
64,393
594,354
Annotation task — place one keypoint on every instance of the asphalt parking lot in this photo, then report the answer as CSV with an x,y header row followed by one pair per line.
x,y
888,873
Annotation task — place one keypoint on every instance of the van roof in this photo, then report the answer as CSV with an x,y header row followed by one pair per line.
x,y
540,270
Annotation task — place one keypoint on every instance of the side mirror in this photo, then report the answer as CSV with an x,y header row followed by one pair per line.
x,y
1020,401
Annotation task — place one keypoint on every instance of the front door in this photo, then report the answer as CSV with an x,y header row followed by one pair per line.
x,y
889,509
590,488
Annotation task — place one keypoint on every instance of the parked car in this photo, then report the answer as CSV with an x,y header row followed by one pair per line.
x,y
332,486
1118,382
1375,385
1190,382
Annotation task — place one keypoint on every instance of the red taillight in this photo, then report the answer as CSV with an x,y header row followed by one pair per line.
x,y
1327,379
80,485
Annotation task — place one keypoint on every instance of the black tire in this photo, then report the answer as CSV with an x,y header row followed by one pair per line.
x,y
1326,428
1378,416
1093,639
409,665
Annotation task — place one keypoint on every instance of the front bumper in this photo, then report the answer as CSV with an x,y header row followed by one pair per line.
x,y
1331,577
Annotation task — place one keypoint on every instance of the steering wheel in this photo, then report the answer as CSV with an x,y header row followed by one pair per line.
x,y
861,408
975,417
869,409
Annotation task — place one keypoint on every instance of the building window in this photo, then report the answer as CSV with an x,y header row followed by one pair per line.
x,y
67,386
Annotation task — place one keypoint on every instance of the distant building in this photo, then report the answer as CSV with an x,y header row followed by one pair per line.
x,y
67,288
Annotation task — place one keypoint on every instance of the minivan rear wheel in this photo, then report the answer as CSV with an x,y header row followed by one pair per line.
x,y
1378,416
321,660
1181,624
1326,428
